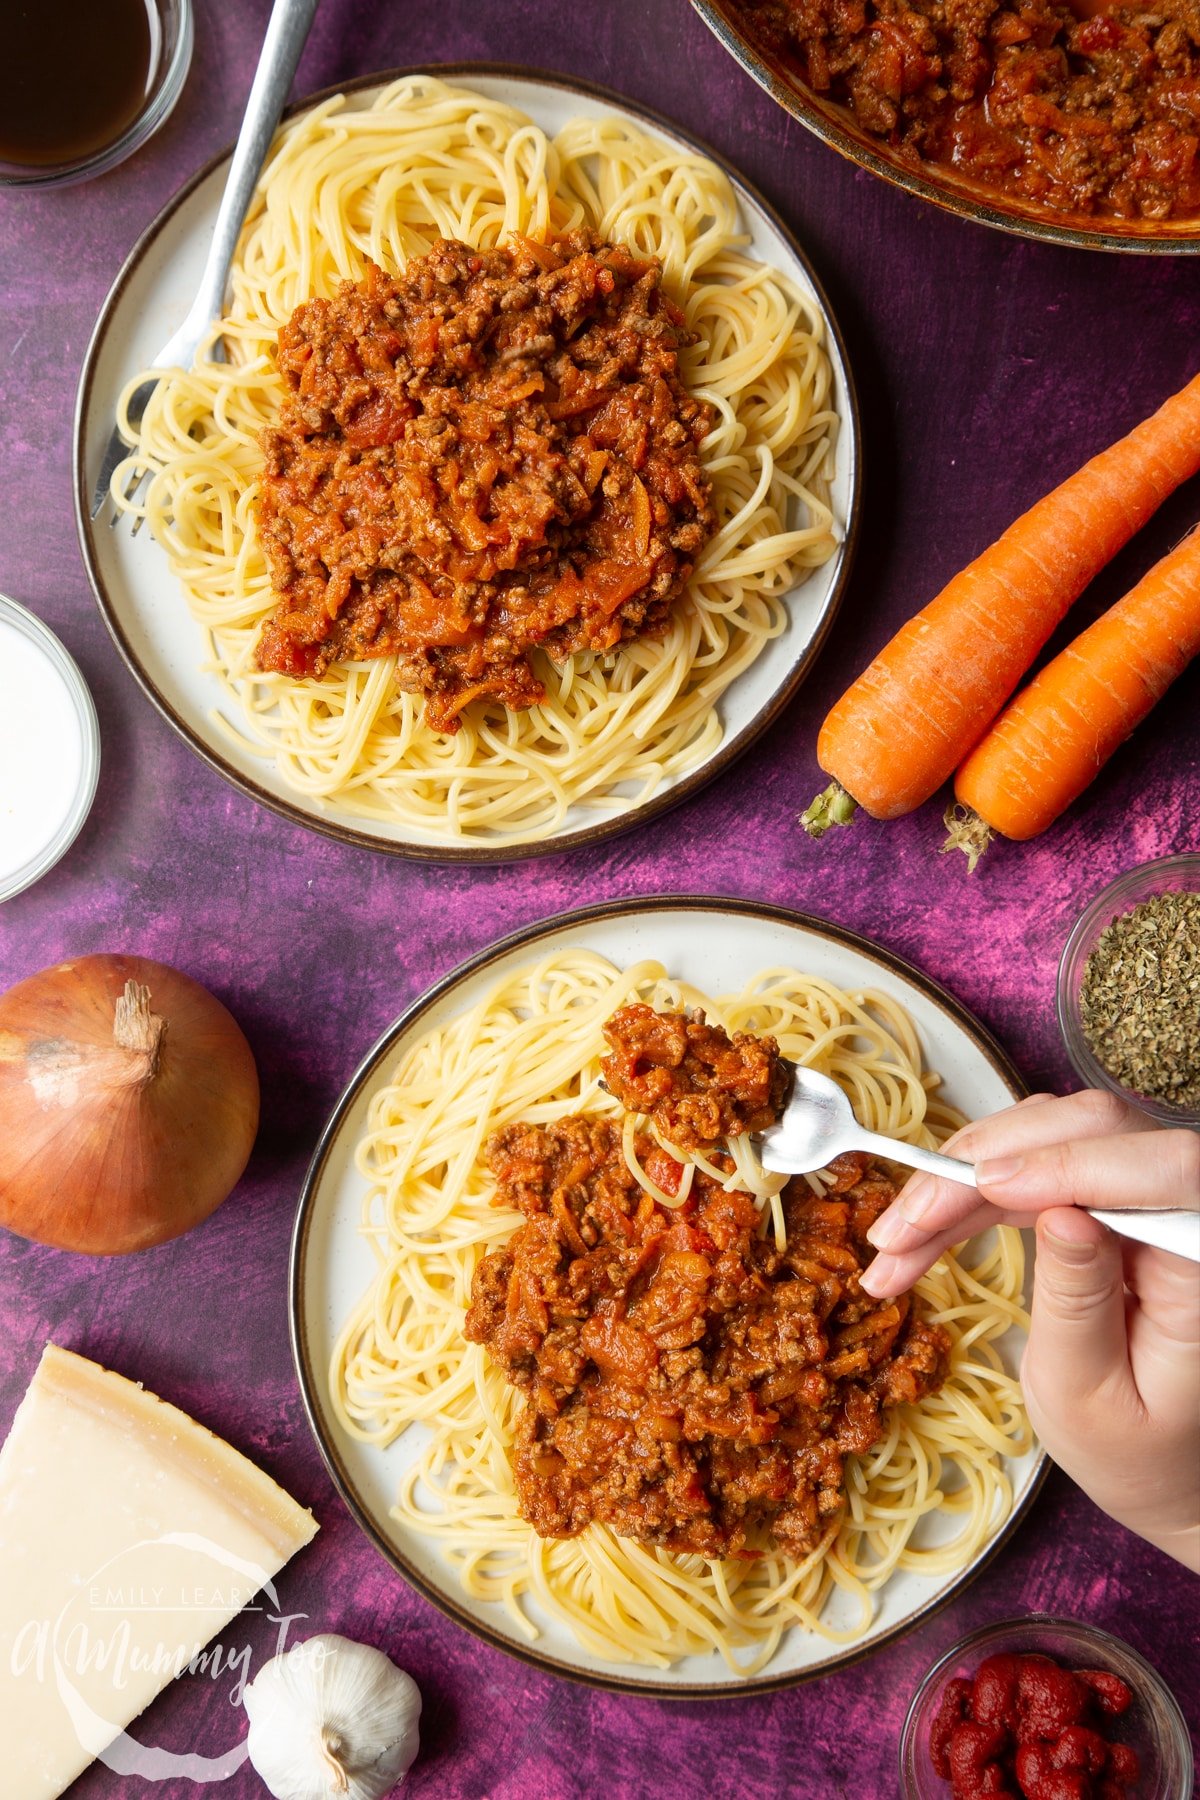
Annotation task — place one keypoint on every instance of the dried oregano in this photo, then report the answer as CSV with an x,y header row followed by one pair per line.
x,y
1139,1002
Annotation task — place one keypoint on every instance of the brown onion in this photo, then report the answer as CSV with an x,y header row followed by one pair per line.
x,y
128,1104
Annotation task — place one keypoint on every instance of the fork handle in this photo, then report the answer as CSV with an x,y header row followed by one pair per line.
x,y
287,30
1175,1230
930,1162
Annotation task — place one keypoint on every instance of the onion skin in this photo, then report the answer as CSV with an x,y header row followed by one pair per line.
x,y
107,1146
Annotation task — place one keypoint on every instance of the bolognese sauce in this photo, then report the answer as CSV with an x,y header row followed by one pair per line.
x,y
490,452
688,1383
694,1082
1084,109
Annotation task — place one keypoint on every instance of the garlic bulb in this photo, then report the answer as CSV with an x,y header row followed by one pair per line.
x,y
332,1720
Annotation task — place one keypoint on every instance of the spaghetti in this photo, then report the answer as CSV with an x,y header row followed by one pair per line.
x,y
926,1498
351,184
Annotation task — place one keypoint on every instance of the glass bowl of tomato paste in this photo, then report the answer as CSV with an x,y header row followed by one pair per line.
x,y
1150,1725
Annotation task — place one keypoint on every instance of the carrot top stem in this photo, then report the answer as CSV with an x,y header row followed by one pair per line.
x,y
833,806
967,832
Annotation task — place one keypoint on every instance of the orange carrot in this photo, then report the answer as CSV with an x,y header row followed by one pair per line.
x,y
905,725
1060,731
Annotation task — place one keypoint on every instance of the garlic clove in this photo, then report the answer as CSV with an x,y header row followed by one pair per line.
x,y
331,1719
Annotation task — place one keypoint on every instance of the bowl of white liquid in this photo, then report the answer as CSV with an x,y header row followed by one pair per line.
x,y
49,749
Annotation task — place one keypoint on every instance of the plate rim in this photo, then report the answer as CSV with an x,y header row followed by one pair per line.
x,y
368,1066
796,99
582,837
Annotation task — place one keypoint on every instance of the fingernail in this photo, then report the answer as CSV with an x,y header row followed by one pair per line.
x,y
918,1197
996,1173
1077,1251
887,1228
878,1276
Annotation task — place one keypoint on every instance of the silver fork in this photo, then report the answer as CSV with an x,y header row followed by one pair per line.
x,y
287,30
818,1123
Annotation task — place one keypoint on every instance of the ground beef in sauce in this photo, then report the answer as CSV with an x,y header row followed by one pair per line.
x,y
696,1084
686,1383
489,452
1094,110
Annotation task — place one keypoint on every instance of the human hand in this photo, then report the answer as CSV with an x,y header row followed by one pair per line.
x,y
1111,1372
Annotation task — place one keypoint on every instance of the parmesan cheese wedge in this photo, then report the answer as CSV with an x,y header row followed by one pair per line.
x,y
129,1537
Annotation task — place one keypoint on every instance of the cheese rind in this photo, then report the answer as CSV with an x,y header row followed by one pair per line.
x,y
129,1536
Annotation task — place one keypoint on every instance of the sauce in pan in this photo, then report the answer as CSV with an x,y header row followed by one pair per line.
x,y
1091,108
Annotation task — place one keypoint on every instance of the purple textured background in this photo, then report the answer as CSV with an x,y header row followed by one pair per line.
x,y
987,369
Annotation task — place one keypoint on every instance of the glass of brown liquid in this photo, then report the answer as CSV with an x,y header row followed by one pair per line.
x,y
84,84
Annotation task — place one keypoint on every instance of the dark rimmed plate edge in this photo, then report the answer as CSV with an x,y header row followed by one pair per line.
x,y
584,836
308,1381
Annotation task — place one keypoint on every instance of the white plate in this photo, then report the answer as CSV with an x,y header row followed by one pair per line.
x,y
165,647
718,945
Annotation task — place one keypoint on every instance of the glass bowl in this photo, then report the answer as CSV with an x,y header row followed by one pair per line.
x,y
1154,1724
170,56
1166,873
74,715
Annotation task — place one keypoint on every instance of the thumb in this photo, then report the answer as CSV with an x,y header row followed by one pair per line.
x,y
1077,1339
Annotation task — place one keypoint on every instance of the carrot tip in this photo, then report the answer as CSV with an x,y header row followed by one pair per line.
x,y
967,832
833,806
